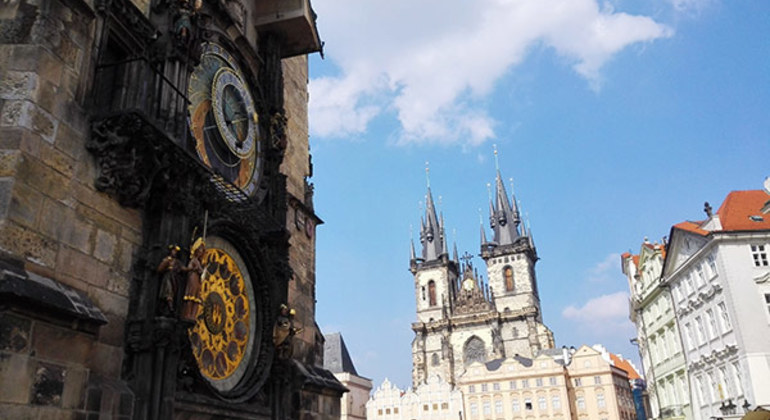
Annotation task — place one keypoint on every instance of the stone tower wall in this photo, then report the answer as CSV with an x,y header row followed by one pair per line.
x,y
52,220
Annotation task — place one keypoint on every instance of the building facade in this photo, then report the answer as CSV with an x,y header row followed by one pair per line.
x,y
652,311
460,318
338,361
156,221
435,399
718,273
586,383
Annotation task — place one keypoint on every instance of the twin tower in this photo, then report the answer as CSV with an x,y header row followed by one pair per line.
x,y
460,318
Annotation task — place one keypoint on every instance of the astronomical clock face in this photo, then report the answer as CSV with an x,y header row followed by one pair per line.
x,y
223,119
223,335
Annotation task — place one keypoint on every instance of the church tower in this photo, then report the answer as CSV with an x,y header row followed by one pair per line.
x,y
461,318
510,258
435,286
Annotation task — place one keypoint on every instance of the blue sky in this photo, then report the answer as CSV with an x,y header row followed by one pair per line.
x,y
614,119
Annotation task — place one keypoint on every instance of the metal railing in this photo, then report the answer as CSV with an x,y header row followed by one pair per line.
x,y
135,86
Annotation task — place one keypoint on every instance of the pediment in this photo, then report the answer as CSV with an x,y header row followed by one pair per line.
x,y
682,247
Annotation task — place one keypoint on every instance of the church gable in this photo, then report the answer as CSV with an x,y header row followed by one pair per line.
x,y
684,244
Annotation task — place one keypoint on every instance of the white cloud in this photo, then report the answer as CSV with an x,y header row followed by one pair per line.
x,y
605,270
613,307
431,63
691,6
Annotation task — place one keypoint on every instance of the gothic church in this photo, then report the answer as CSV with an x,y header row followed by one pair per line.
x,y
460,317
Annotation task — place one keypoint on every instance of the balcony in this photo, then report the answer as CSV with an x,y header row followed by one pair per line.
x,y
294,21
134,87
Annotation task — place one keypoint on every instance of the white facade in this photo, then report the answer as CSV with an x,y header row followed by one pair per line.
x,y
719,277
658,334
434,400
353,403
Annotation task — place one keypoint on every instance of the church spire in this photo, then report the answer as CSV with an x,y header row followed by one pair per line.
x,y
432,228
504,214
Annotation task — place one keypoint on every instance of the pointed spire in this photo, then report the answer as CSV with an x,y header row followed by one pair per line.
x,y
504,218
412,254
431,227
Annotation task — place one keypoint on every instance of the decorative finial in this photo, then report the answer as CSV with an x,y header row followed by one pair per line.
x,y
489,191
440,201
511,181
707,208
497,163
481,218
427,173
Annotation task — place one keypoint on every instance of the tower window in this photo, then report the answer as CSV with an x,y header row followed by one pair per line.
x,y
434,359
432,293
508,275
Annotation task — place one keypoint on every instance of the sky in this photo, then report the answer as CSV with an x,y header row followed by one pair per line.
x,y
614,120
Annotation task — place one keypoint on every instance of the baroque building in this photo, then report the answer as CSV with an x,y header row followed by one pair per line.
x,y
719,276
460,318
658,337
157,228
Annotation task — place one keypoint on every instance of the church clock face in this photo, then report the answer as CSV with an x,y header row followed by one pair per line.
x,y
223,120
223,336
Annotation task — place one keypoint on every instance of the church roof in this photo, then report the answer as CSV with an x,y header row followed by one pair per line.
x,y
336,356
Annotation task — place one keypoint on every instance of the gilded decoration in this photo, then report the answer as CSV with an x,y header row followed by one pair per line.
x,y
222,331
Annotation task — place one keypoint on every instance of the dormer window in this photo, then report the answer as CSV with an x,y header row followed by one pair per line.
x,y
756,218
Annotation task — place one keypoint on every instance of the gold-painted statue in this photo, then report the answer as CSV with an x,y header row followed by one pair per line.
x,y
195,271
170,268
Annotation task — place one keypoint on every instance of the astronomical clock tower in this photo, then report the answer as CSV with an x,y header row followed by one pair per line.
x,y
461,318
157,228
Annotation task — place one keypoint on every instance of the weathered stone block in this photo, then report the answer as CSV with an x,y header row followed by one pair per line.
x,y
14,333
5,195
16,372
112,333
42,123
74,388
29,244
108,302
104,248
25,205
61,223
43,178
119,283
69,141
19,412
48,384
125,256
57,160
18,85
106,360
49,341
73,263
22,57
50,68
103,203
9,161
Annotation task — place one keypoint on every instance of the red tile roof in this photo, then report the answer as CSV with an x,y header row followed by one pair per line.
x,y
625,365
739,206
735,214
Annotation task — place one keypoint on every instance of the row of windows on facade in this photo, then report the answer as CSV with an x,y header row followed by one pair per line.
x,y
663,344
699,335
719,384
425,407
542,404
525,384
701,273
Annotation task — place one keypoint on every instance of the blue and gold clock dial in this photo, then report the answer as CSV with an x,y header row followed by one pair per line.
x,y
223,119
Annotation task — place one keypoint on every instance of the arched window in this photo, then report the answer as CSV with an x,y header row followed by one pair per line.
x,y
508,274
434,359
474,351
432,293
